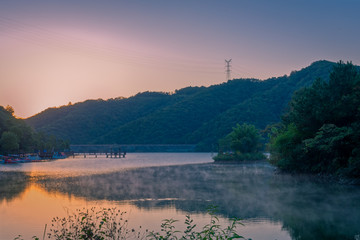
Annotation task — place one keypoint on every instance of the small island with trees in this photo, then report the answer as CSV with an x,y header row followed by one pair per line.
x,y
243,143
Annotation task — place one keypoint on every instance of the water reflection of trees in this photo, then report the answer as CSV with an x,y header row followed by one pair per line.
x,y
307,209
12,184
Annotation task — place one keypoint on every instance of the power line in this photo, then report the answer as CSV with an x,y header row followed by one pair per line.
x,y
45,38
240,71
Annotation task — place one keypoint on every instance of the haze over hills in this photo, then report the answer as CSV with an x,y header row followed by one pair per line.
x,y
192,115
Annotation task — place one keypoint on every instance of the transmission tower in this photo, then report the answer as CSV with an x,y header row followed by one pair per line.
x,y
228,70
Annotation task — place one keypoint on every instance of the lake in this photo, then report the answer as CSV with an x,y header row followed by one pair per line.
x,y
151,187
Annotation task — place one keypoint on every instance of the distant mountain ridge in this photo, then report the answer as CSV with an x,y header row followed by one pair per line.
x,y
192,115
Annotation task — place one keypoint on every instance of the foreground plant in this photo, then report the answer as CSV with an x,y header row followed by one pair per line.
x,y
213,230
110,223
106,223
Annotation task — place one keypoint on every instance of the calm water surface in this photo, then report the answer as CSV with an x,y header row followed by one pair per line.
x,y
153,186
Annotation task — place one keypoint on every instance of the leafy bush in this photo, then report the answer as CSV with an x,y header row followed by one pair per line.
x,y
106,223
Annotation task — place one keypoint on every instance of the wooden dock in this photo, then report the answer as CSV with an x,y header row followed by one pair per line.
x,y
111,151
107,154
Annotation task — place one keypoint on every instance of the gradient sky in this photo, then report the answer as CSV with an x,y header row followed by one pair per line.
x,y
53,52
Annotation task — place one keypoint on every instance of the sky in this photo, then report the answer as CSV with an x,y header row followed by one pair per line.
x,y
53,52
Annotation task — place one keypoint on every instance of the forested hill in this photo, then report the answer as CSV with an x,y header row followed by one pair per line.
x,y
17,137
192,115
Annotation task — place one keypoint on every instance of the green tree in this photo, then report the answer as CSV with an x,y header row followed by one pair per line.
x,y
244,142
10,109
18,137
284,146
9,143
245,138
320,132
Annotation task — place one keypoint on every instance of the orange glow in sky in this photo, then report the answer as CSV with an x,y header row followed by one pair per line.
x,y
37,76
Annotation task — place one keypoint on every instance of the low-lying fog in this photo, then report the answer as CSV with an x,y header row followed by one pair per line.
x,y
306,207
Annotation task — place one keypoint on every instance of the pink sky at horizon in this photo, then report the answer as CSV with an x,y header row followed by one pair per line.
x,y
60,52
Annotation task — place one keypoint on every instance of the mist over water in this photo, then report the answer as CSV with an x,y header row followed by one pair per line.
x,y
273,206
95,165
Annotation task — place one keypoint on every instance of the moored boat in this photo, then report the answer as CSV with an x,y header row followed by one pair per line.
x,y
10,160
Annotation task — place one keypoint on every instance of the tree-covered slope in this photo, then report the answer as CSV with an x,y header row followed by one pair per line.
x,y
86,121
18,137
198,115
174,122
321,131
263,108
